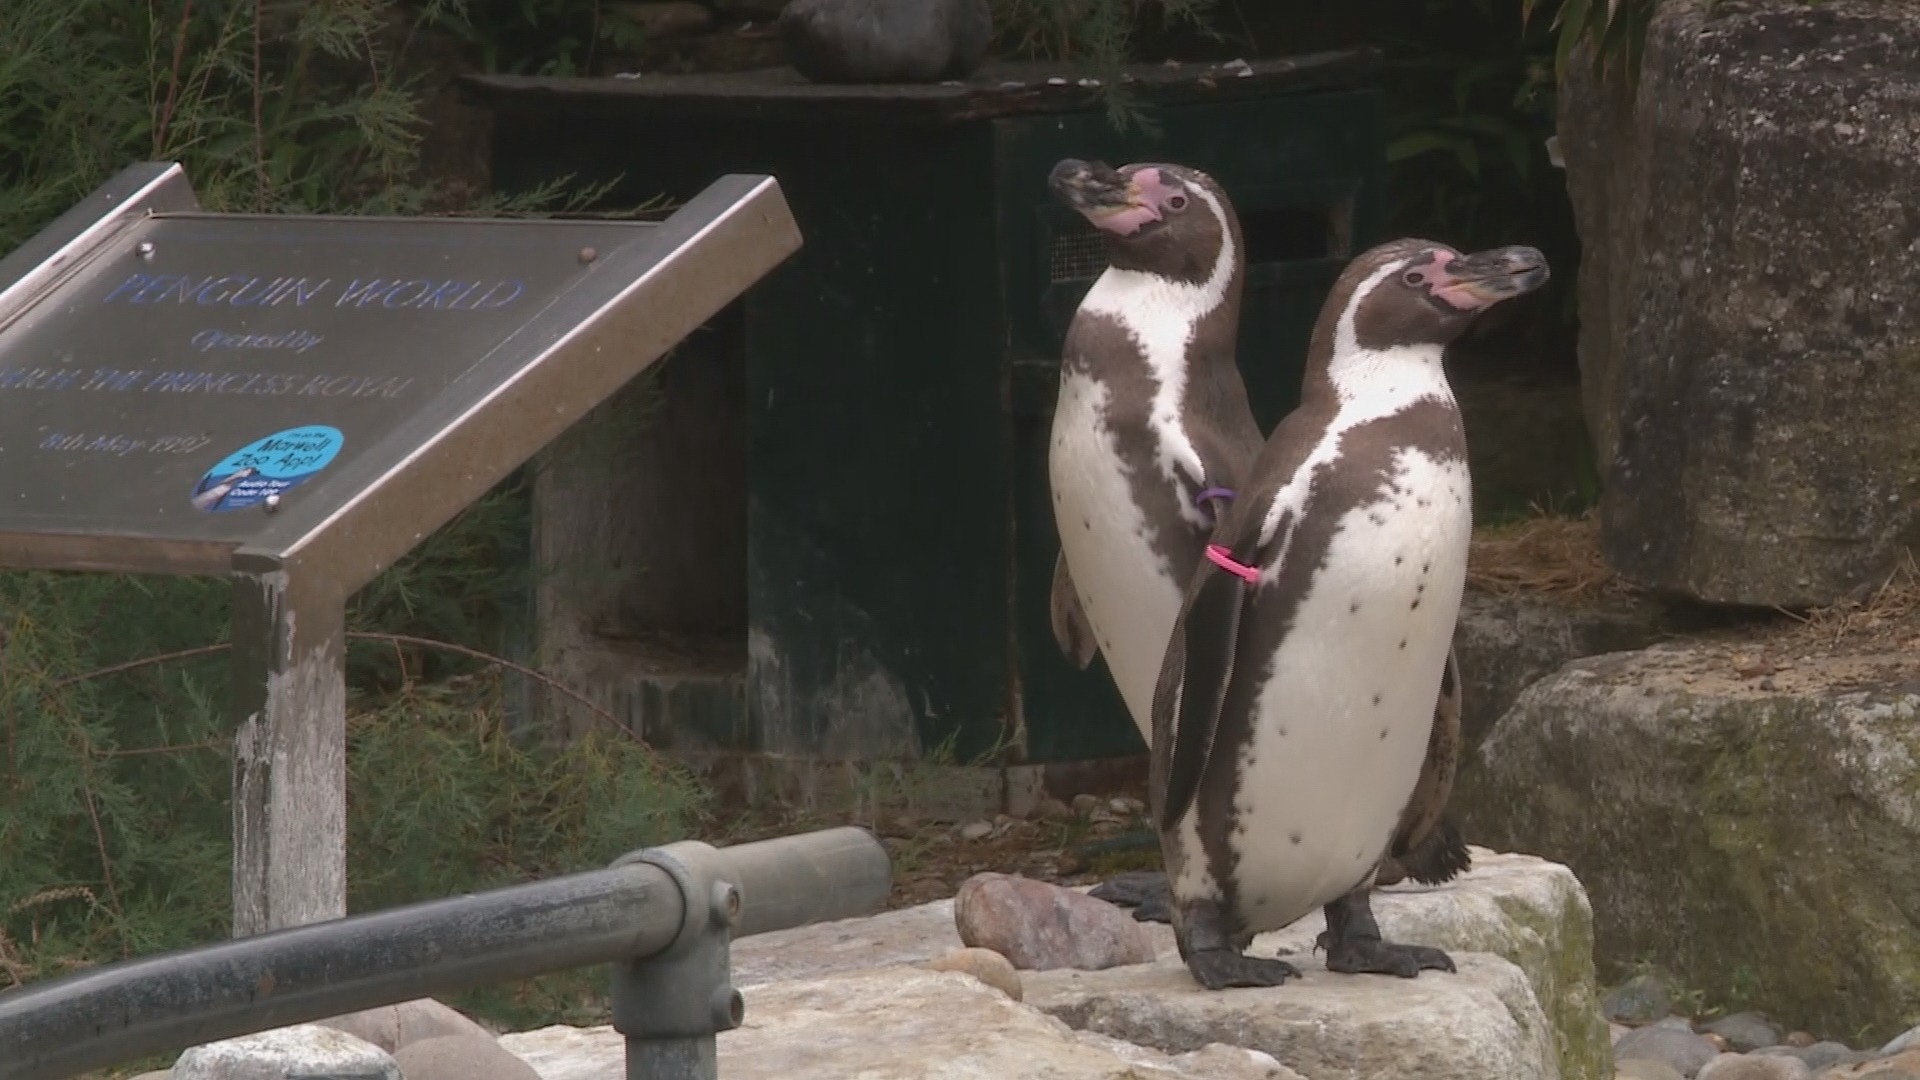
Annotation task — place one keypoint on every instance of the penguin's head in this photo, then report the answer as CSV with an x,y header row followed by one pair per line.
x,y
1160,219
1419,292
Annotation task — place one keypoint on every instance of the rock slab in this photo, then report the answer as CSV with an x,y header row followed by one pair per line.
x,y
1748,339
1800,794
1482,1021
899,1022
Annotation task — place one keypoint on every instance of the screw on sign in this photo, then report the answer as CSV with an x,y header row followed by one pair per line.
x,y
261,471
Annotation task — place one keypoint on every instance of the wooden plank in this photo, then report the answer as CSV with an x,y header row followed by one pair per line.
x,y
997,89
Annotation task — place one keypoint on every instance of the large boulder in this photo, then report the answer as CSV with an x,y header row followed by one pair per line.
x,y
1506,640
1746,813
1749,341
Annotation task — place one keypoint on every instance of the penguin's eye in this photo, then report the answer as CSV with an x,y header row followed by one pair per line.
x,y
1413,278
1177,203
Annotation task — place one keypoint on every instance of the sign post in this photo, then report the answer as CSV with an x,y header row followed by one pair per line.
x,y
298,402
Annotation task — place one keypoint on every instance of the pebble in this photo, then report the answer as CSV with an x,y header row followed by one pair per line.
x,y
983,964
1040,926
304,1049
1640,1069
1820,1055
976,830
1746,1031
1798,1038
1052,809
1682,1051
1640,1000
1084,805
1127,807
1901,1066
1749,1067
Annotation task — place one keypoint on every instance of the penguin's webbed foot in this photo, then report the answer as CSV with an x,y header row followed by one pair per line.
x,y
1218,959
1218,969
1145,891
1354,947
1364,956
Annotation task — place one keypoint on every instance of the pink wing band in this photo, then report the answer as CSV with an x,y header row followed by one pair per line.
x,y
1223,559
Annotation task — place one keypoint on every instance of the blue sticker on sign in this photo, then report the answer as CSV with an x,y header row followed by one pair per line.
x,y
263,469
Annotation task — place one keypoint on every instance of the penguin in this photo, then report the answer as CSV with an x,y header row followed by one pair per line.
x,y
886,41
1293,715
1151,428
1150,434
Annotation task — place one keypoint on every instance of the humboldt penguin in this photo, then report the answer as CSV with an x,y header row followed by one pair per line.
x,y
1151,429
1294,711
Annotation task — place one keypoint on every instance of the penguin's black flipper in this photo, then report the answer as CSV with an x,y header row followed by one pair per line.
x,y
1199,661
1071,631
1209,631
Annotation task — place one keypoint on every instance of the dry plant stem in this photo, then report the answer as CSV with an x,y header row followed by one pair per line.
x,y
173,81
396,640
259,128
100,845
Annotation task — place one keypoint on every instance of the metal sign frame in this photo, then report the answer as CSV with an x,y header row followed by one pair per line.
x,y
293,575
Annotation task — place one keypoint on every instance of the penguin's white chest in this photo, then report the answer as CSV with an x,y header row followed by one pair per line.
x,y
1126,590
1343,716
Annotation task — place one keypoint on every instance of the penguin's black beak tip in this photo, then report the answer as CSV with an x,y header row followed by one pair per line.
x,y
1485,278
1084,186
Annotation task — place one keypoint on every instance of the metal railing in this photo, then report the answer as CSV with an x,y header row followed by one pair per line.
x,y
664,917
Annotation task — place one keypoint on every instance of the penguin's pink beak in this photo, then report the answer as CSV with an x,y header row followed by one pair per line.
x,y
1483,279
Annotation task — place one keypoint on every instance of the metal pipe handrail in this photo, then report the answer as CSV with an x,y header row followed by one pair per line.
x,y
663,915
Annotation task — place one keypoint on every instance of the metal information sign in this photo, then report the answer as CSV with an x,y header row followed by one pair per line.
x,y
299,401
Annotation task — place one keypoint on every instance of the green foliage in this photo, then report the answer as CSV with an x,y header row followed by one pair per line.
x,y
272,106
114,820
540,37
1616,30
1471,107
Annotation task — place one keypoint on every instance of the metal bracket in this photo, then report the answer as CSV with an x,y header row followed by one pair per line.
x,y
671,1005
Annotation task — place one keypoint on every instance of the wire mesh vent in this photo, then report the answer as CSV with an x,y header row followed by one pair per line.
x,y
1075,254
